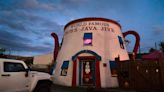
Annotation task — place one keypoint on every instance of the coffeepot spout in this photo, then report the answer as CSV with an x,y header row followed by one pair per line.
x,y
56,45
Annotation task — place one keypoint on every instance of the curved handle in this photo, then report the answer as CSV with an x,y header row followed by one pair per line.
x,y
56,47
137,41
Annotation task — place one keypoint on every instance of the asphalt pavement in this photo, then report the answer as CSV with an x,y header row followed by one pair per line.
x,y
57,88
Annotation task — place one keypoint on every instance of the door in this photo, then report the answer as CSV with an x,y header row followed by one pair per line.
x,y
87,72
13,78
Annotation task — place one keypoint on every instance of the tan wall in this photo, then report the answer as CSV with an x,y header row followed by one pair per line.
x,y
45,59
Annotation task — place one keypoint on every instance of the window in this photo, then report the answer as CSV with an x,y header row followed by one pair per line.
x,y
13,67
87,38
121,42
113,68
64,68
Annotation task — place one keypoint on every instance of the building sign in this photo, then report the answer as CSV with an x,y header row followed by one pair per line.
x,y
89,26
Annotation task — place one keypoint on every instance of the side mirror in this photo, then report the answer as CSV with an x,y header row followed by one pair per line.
x,y
26,74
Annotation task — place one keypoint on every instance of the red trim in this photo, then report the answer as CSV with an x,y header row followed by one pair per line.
x,y
137,41
74,73
56,47
98,83
91,57
92,19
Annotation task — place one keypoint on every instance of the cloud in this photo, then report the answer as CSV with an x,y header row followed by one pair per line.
x,y
26,32
29,23
158,30
9,23
9,35
10,40
17,20
16,43
26,4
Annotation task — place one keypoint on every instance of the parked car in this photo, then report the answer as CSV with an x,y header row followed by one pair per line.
x,y
15,76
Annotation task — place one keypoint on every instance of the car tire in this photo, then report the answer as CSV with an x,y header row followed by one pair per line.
x,y
43,87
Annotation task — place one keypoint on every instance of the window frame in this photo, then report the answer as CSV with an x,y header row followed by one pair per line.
x,y
113,69
121,42
88,38
15,65
64,69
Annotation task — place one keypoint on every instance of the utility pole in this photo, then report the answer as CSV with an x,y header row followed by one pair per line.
x,y
155,46
139,49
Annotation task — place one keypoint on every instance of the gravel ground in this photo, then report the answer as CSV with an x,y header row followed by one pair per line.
x,y
57,88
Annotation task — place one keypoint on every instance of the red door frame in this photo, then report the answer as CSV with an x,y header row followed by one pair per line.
x,y
74,77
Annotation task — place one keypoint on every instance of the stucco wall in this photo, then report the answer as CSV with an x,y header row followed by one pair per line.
x,y
104,42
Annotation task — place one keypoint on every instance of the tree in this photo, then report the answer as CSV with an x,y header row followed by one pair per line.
x,y
152,50
161,45
2,50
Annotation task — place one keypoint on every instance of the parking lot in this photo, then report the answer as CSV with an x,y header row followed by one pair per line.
x,y
57,88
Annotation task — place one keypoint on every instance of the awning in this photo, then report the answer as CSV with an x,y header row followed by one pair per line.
x,y
113,64
65,65
87,35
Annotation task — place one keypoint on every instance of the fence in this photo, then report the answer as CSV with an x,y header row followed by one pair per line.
x,y
142,75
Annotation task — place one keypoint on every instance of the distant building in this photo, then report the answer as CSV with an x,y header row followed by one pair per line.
x,y
45,59
42,62
155,55
27,60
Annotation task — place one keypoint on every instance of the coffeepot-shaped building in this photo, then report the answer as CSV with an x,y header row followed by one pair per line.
x,y
88,51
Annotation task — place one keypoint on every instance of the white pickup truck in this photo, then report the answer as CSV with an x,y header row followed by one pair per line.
x,y
15,76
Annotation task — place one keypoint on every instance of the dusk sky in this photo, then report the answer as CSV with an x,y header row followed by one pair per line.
x,y
26,25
